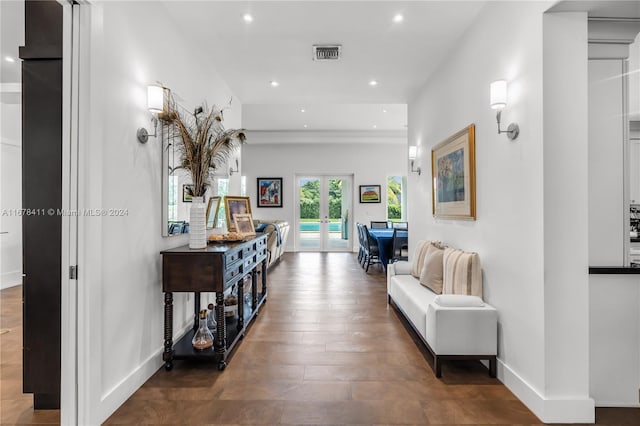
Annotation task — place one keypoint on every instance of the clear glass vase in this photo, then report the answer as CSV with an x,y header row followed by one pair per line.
x,y
211,319
203,339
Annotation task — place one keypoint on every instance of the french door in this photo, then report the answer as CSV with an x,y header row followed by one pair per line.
x,y
323,217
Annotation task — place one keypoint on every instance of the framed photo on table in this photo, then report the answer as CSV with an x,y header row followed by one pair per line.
x,y
370,194
453,168
235,205
244,224
269,192
212,212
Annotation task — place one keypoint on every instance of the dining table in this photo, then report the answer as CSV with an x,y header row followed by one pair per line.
x,y
384,237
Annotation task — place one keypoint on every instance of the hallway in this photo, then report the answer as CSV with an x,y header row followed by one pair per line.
x,y
326,349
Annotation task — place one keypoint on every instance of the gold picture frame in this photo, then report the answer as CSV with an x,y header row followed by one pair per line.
x,y
243,223
235,205
453,173
212,212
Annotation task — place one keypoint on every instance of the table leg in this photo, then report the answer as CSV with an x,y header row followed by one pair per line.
x,y
240,325
254,289
221,330
167,355
196,311
264,279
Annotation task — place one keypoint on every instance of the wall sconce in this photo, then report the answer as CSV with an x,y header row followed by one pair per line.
x,y
413,153
231,171
155,105
499,101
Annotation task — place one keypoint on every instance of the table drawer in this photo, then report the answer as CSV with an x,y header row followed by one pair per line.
x,y
233,271
232,257
249,263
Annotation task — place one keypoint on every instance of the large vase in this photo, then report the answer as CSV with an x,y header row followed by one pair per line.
x,y
197,224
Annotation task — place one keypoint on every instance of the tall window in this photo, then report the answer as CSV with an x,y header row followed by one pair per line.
x,y
395,198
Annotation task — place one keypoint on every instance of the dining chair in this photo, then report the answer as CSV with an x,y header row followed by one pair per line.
x,y
400,245
360,244
378,225
400,225
372,251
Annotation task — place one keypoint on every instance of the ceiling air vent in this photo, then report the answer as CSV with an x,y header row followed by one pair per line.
x,y
327,52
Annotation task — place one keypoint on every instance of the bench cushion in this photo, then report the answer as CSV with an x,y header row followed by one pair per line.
x,y
412,298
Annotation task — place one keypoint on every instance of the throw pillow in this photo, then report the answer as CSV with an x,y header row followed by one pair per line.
x,y
458,301
418,256
432,270
462,273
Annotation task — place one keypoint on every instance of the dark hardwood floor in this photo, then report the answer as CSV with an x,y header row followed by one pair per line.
x,y
326,349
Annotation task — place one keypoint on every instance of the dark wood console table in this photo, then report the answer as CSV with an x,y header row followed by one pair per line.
x,y
213,269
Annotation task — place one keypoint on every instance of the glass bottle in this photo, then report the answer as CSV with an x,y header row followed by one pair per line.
x,y
211,319
203,339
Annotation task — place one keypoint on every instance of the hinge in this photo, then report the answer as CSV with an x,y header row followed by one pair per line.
x,y
73,272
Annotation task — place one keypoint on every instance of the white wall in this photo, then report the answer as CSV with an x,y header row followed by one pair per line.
x,y
505,42
11,194
565,165
634,79
323,153
131,44
607,230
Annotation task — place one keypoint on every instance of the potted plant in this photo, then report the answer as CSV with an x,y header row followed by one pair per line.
x,y
205,146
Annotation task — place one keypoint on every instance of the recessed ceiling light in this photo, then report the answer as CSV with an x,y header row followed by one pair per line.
x,y
373,83
375,127
274,83
9,59
302,110
305,126
398,18
247,17
384,110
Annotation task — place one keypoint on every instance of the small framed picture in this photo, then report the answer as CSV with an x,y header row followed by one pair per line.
x,y
269,192
235,205
244,224
212,212
370,194
187,193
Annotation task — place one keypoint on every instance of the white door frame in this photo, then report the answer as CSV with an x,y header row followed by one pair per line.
x,y
324,210
69,305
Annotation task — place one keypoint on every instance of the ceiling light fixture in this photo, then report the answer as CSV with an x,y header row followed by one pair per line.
x,y
247,17
9,59
375,127
398,18
373,83
384,110
305,126
274,83
302,110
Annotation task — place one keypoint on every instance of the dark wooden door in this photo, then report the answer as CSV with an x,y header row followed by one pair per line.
x,y
42,194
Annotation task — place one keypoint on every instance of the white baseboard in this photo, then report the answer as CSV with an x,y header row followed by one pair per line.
x,y
118,395
10,279
546,409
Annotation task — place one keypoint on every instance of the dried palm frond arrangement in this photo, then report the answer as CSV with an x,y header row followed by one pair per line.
x,y
205,145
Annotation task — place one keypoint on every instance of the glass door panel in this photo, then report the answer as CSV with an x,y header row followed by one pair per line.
x,y
324,204
309,236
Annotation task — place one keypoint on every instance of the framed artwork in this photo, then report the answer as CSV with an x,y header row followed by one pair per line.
x,y
187,193
235,205
453,169
269,192
212,212
370,193
243,224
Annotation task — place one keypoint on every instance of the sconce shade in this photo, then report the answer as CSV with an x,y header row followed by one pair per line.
x,y
155,98
413,152
498,94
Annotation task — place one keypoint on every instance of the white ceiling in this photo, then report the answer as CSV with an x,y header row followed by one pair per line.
x,y
277,45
